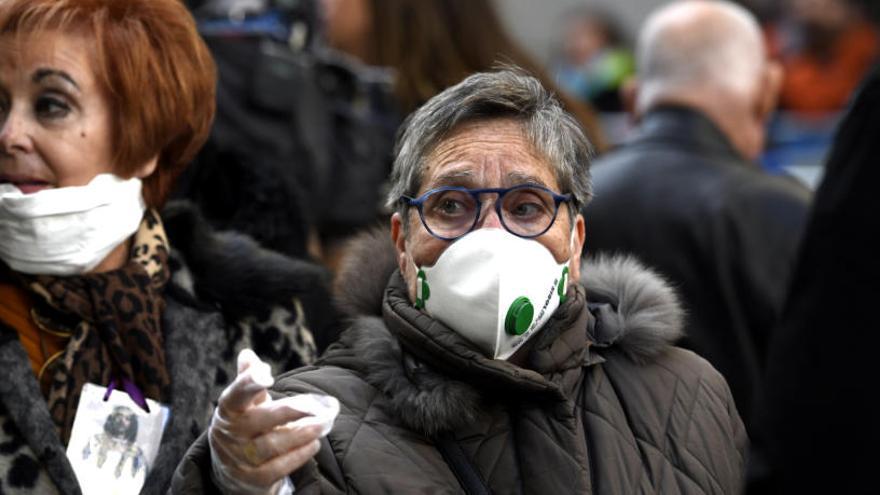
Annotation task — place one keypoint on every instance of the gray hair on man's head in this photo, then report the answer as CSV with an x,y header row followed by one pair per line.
x,y
507,93
698,44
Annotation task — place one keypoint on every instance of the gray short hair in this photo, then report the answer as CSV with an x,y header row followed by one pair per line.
x,y
506,93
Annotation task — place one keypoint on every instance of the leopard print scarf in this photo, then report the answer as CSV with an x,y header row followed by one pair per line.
x,y
114,323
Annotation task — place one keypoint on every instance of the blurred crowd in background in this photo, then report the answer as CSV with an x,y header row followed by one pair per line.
x,y
312,92
825,47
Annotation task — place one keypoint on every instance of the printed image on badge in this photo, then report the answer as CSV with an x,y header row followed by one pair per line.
x,y
114,443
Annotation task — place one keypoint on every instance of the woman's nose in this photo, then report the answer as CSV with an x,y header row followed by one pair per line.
x,y
489,217
14,136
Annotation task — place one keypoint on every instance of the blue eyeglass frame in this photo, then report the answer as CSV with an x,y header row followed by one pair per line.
x,y
475,193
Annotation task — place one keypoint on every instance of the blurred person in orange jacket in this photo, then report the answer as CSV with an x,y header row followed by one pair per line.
x,y
826,47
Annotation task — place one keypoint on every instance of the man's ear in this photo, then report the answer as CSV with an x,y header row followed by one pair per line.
x,y
578,238
399,240
768,93
629,93
148,168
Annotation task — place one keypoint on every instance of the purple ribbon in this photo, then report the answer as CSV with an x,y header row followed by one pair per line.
x,y
132,390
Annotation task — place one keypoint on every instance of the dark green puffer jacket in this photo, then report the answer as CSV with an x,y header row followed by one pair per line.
x,y
605,404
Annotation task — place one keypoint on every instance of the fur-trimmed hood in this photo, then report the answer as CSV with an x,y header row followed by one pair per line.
x,y
631,310
637,310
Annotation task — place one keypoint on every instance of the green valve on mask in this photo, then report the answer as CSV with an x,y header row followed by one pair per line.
x,y
519,316
563,285
423,292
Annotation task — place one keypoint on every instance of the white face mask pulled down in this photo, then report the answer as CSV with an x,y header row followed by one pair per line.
x,y
493,288
68,230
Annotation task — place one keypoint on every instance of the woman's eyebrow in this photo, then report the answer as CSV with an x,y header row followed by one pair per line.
x,y
521,178
43,73
454,177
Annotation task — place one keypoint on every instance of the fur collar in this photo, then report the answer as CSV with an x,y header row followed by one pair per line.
x,y
422,399
637,311
231,271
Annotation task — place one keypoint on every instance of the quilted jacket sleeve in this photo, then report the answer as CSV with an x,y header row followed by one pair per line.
x,y
682,419
716,436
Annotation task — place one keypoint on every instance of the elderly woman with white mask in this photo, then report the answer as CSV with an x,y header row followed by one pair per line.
x,y
102,104
482,356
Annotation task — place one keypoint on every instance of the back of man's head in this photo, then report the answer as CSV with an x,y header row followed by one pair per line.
x,y
710,55
696,44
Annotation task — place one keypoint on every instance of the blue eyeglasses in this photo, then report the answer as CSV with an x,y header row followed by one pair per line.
x,y
450,212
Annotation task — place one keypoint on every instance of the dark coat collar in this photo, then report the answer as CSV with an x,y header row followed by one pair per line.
x,y
686,127
231,271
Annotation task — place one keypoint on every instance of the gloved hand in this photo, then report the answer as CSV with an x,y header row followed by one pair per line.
x,y
257,442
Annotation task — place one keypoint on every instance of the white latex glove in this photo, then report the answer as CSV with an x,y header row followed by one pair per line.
x,y
257,442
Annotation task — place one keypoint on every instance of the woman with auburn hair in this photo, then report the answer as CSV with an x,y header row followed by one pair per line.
x,y
102,105
434,44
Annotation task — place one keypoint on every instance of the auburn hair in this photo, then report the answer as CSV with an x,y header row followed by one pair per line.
x,y
154,68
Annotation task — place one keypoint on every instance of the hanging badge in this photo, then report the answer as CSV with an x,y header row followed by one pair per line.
x,y
114,442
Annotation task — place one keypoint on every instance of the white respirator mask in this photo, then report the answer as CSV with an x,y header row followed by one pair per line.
x,y
68,230
493,288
